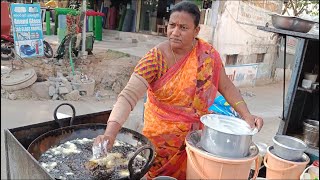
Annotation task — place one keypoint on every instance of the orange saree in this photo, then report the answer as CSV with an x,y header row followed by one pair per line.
x,y
175,103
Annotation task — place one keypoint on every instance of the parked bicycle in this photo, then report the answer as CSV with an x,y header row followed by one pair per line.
x,y
7,48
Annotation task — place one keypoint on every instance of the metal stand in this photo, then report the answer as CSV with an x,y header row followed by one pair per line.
x,y
284,74
300,55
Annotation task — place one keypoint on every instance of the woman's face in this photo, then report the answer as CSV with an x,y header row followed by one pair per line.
x,y
181,30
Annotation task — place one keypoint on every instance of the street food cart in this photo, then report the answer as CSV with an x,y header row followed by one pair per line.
x,y
300,103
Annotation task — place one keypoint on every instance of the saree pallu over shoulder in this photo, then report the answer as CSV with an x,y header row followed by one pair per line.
x,y
175,102
187,89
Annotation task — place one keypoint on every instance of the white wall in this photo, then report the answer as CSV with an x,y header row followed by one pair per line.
x,y
205,33
234,27
236,33
233,37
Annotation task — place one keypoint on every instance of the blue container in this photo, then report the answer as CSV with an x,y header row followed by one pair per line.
x,y
62,21
312,157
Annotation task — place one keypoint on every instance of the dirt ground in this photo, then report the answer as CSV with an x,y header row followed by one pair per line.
x,y
110,69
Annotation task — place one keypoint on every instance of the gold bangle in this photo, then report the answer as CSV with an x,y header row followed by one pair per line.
x,y
239,102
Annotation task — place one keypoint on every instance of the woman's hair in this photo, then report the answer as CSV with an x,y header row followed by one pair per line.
x,y
188,7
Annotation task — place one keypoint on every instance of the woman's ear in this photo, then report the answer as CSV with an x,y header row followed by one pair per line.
x,y
196,31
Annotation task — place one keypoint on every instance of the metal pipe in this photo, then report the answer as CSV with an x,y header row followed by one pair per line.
x,y
84,4
284,74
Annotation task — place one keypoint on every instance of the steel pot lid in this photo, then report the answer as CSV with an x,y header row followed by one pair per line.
x,y
193,139
227,124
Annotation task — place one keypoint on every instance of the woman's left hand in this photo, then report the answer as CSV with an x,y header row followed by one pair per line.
x,y
254,121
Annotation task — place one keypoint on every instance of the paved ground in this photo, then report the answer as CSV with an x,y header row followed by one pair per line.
x,y
120,41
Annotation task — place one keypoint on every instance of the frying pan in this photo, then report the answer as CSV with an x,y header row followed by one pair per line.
x,y
91,130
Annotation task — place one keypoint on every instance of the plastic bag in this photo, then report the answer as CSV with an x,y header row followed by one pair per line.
x,y
221,106
99,150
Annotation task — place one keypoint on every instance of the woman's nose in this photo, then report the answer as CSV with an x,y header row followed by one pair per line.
x,y
176,31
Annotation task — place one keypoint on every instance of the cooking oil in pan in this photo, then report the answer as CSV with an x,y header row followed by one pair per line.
x,y
72,160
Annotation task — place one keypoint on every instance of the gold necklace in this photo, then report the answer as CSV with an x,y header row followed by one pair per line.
x,y
175,59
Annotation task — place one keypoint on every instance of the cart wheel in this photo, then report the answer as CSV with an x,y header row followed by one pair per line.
x,y
48,52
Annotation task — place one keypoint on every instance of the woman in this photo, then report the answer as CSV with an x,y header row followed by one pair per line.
x,y
181,76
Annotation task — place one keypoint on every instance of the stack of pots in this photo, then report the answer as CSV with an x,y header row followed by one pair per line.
x,y
222,150
311,132
286,158
310,76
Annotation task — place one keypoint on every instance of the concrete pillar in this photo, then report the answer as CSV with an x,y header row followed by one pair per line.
x,y
215,13
138,14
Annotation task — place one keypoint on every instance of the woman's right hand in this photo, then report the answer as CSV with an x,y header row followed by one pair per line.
x,y
109,135
107,138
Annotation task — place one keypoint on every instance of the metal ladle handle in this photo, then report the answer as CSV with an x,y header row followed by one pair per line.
x,y
149,162
73,113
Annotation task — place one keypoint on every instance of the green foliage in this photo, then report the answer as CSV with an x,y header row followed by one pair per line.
x,y
298,7
198,2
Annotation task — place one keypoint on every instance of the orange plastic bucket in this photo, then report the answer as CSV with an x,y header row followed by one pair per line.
x,y
278,168
201,165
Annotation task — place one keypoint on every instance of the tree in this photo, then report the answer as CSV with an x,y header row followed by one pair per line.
x,y
297,7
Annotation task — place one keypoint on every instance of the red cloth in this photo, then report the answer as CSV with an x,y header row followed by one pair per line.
x,y
5,18
94,13
112,18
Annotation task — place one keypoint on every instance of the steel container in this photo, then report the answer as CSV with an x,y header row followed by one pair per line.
x,y
164,178
223,143
291,23
311,132
193,139
289,148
